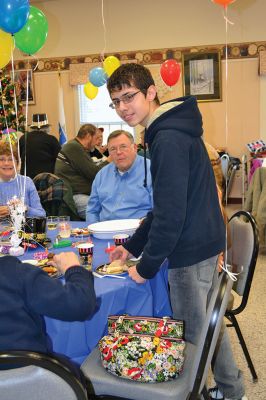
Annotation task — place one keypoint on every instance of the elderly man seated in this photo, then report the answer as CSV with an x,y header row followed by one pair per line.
x,y
118,190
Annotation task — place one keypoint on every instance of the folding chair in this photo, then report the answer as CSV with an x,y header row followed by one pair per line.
x,y
242,256
229,167
37,376
190,384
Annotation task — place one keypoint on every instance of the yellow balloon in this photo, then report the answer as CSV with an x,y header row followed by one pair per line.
x,y
110,64
90,90
6,48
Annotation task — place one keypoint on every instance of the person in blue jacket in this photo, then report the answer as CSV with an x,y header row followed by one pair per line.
x,y
186,225
27,294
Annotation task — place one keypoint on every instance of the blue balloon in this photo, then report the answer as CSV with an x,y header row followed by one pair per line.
x,y
13,14
98,76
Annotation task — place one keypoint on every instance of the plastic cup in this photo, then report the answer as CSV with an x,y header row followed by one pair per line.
x,y
120,238
64,229
85,254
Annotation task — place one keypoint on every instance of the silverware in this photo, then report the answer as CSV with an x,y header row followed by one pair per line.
x,y
108,276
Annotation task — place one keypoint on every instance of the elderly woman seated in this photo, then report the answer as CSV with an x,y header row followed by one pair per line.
x,y
13,184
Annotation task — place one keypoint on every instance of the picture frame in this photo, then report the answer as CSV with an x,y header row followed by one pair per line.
x,y
202,75
20,79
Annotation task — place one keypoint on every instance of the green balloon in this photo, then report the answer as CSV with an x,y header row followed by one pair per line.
x,y
32,36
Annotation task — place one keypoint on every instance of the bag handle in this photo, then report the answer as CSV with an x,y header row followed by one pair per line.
x,y
160,331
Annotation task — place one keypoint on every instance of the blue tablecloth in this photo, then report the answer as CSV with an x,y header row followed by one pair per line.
x,y
114,296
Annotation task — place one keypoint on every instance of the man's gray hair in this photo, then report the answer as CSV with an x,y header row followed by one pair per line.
x,y
119,132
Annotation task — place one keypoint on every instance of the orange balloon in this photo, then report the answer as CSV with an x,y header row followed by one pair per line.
x,y
224,3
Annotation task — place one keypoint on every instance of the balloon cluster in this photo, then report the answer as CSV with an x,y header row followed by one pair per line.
x,y
170,72
98,76
27,24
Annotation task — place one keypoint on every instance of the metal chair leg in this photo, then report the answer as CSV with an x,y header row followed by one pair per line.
x,y
234,324
205,393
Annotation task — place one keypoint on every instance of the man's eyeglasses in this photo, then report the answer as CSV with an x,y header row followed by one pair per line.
x,y
122,147
126,98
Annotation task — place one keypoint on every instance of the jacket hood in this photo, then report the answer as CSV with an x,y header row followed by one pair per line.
x,y
181,114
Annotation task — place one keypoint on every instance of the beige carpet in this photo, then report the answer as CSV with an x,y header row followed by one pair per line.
x,y
252,323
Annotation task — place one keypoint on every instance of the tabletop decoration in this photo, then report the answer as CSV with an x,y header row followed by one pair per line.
x,y
109,248
4,248
41,255
17,210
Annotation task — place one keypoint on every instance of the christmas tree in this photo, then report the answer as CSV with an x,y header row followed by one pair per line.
x,y
9,118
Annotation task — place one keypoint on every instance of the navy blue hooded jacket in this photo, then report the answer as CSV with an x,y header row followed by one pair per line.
x,y
27,294
186,224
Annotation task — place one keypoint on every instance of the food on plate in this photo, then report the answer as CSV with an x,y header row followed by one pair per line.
x,y
43,262
79,231
49,269
114,268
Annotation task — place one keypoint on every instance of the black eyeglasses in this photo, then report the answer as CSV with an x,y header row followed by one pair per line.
x,y
126,98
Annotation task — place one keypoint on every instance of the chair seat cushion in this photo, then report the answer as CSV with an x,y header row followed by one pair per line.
x,y
105,383
230,302
33,383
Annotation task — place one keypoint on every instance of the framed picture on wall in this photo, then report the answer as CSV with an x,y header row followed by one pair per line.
x,y
21,77
202,75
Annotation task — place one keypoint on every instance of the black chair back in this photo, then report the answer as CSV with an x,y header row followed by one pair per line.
x,y
242,256
37,376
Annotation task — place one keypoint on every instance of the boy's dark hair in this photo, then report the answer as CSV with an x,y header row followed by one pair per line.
x,y
131,75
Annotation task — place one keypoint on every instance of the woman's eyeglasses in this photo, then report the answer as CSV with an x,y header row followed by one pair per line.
x,y
126,98
6,159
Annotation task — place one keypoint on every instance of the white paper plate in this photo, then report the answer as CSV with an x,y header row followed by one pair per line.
x,y
33,262
107,229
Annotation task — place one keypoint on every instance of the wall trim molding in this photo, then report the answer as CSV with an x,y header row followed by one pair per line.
x,y
156,56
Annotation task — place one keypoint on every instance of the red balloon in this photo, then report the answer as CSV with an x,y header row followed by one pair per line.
x,y
170,72
224,3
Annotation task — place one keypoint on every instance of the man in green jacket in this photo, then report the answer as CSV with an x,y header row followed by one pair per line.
x,y
75,166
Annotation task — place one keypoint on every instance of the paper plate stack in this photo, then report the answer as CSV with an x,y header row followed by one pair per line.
x,y
107,229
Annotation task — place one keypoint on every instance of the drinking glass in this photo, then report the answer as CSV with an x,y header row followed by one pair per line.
x,y
51,222
64,218
64,229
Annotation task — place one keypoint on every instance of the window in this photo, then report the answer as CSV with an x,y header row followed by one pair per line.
x,y
98,112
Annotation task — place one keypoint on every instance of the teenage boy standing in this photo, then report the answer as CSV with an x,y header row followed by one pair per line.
x,y
186,225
